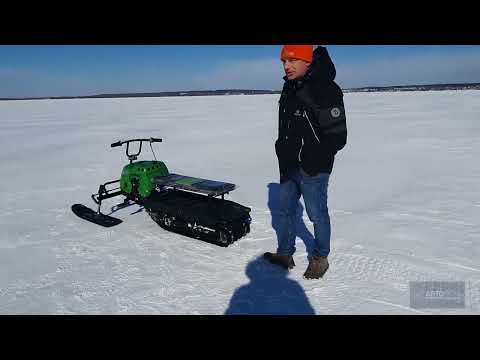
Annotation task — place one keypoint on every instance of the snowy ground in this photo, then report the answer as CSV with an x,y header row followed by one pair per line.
x,y
404,202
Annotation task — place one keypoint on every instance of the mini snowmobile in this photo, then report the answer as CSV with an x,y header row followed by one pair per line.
x,y
181,204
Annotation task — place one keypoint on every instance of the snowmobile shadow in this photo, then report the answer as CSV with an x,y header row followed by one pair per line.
x,y
269,292
301,229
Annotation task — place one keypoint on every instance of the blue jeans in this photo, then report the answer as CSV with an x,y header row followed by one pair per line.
x,y
314,190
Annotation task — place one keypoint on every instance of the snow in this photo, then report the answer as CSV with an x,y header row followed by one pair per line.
x,y
403,199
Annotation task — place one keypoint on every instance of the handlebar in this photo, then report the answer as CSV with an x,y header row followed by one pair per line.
x,y
134,156
120,143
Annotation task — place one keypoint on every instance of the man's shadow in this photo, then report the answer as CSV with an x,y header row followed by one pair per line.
x,y
269,292
301,229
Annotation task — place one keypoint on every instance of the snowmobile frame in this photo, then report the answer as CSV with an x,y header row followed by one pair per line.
x,y
178,203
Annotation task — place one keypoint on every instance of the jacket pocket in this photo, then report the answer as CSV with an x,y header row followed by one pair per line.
x,y
287,153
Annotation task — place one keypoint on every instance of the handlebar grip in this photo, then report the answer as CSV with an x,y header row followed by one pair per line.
x,y
155,140
115,144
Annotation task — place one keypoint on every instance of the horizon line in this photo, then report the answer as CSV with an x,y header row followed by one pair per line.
x,y
153,93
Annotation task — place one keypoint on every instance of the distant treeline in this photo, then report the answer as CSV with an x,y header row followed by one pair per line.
x,y
158,94
470,86
431,87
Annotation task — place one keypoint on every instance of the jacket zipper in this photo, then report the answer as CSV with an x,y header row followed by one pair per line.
x,y
314,133
300,152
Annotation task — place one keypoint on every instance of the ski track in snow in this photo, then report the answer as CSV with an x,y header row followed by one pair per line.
x,y
403,207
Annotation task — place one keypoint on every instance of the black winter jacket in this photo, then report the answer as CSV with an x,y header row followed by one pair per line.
x,y
312,123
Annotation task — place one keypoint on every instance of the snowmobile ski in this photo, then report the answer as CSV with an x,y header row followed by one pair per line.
x,y
98,218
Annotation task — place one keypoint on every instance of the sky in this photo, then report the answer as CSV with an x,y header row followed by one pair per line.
x,y
76,70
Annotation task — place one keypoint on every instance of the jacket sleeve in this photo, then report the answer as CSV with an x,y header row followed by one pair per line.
x,y
327,118
330,127
323,65
334,143
328,124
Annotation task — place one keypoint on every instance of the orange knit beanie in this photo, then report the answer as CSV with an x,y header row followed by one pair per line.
x,y
302,52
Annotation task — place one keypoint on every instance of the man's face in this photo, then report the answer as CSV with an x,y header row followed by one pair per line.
x,y
295,68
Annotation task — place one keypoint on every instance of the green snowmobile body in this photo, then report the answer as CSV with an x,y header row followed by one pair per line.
x,y
138,177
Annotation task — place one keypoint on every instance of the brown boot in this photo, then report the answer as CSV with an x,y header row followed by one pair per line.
x,y
282,260
317,267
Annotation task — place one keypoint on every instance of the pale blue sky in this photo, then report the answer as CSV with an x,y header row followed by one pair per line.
x,y
41,70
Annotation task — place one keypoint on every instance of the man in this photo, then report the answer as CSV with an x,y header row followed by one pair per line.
x,y
312,129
